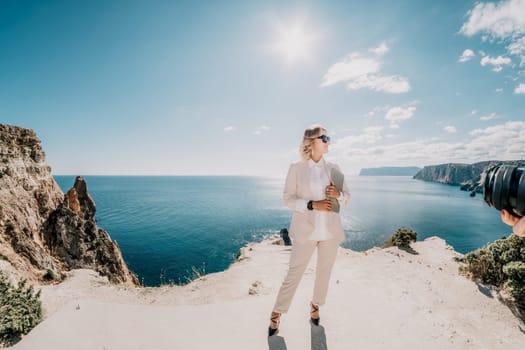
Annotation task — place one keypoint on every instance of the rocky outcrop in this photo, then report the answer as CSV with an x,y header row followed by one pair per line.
x,y
72,236
28,195
42,231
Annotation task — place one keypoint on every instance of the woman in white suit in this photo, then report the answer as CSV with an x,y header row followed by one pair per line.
x,y
308,192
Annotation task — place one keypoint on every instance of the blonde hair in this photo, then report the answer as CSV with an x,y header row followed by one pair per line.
x,y
310,134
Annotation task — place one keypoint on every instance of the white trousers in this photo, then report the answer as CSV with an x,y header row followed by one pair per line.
x,y
301,254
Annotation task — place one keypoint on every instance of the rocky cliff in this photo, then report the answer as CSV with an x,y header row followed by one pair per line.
x,y
465,175
43,232
452,173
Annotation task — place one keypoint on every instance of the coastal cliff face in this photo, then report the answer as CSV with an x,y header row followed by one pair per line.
x,y
42,231
452,173
459,174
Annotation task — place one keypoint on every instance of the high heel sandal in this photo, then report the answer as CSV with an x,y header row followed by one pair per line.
x,y
315,309
274,320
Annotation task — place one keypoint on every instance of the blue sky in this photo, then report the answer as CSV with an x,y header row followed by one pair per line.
x,y
227,88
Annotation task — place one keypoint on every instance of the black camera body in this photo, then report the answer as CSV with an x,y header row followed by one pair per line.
x,y
504,188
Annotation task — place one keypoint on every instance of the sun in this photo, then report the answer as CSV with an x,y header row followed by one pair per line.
x,y
293,42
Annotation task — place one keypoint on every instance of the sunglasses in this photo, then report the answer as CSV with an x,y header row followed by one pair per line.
x,y
325,138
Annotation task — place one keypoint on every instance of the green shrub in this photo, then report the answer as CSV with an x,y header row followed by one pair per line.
x,y
20,308
402,238
501,264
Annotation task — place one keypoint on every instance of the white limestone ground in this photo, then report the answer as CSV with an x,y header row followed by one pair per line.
x,y
379,299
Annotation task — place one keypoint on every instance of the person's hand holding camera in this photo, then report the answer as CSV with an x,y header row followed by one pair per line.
x,y
518,224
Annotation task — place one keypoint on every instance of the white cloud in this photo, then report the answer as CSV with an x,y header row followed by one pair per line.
x,y
491,116
359,71
381,49
474,111
261,129
450,129
398,114
499,138
503,142
497,62
499,90
496,20
517,47
352,67
377,110
467,55
520,89
501,22
393,84
372,134
230,128
369,136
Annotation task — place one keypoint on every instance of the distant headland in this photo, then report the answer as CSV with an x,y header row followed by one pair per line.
x,y
390,171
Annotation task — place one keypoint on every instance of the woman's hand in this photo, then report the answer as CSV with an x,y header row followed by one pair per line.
x,y
518,225
332,191
324,205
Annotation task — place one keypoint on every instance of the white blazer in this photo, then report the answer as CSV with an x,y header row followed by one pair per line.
x,y
297,193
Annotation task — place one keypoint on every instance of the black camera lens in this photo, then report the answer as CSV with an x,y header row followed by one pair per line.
x,y
504,188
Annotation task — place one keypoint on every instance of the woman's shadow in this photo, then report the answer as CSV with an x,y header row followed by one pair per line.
x,y
318,339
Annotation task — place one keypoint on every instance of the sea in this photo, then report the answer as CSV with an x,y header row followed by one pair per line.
x,y
171,229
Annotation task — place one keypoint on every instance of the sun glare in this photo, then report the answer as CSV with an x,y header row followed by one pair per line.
x,y
293,42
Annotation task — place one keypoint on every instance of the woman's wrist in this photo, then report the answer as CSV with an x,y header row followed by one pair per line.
x,y
310,205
